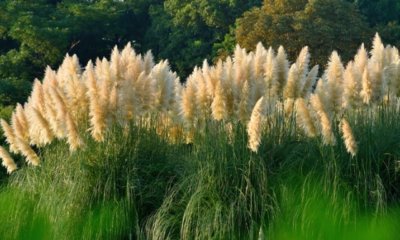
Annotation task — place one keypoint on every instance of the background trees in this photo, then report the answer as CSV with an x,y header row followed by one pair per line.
x,y
323,25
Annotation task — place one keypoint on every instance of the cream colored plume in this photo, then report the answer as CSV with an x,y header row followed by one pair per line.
x,y
325,122
188,106
218,105
254,127
40,130
96,110
348,137
243,107
8,162
26,150
73,137
304,118
282,69
259,60
37,97
302,62
366,92
351,87
334,78
10,136
272,87
292,88
361,59
19,129
310,82
61,110
203,100
164,81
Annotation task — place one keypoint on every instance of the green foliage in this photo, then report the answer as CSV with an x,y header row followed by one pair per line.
x,y
34,34
185,31
294,24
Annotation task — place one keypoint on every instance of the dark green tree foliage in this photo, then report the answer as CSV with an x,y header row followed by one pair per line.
x,y
34,34
186,31
384,17
323,25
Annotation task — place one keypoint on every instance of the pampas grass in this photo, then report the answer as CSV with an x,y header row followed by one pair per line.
x,y
348,137
130,88
304,118
229,154
7,162
255,125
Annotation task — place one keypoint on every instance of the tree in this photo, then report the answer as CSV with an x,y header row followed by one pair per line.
x,y
34,34
383,16
318,24
188,31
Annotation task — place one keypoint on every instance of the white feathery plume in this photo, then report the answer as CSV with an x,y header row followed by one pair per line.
x,y
61,111
259,60
115,60
310,82
304,118
348,137
378,52
325,122
188,106
10,136
292,88
202,98
361,59
243,107
148,62
7,162
282,69
254,127
145,93
302,62
351,88
40,130
37,96
218,105
73,137
334,77
30,156
271,74
366,92
227,85
23,130
164,85
96,111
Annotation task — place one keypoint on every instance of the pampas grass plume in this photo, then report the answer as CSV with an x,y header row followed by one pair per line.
x,y
8,162
292,86
304,118
310,81
96,111
40,122
282,69
254,127
326,127
218,105
73,138
10,136
348,137
366,92
30,155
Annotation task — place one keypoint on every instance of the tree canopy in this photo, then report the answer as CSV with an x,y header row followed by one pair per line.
x,y
318,24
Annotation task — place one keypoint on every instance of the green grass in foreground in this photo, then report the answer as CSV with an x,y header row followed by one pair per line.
x,y
137,185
